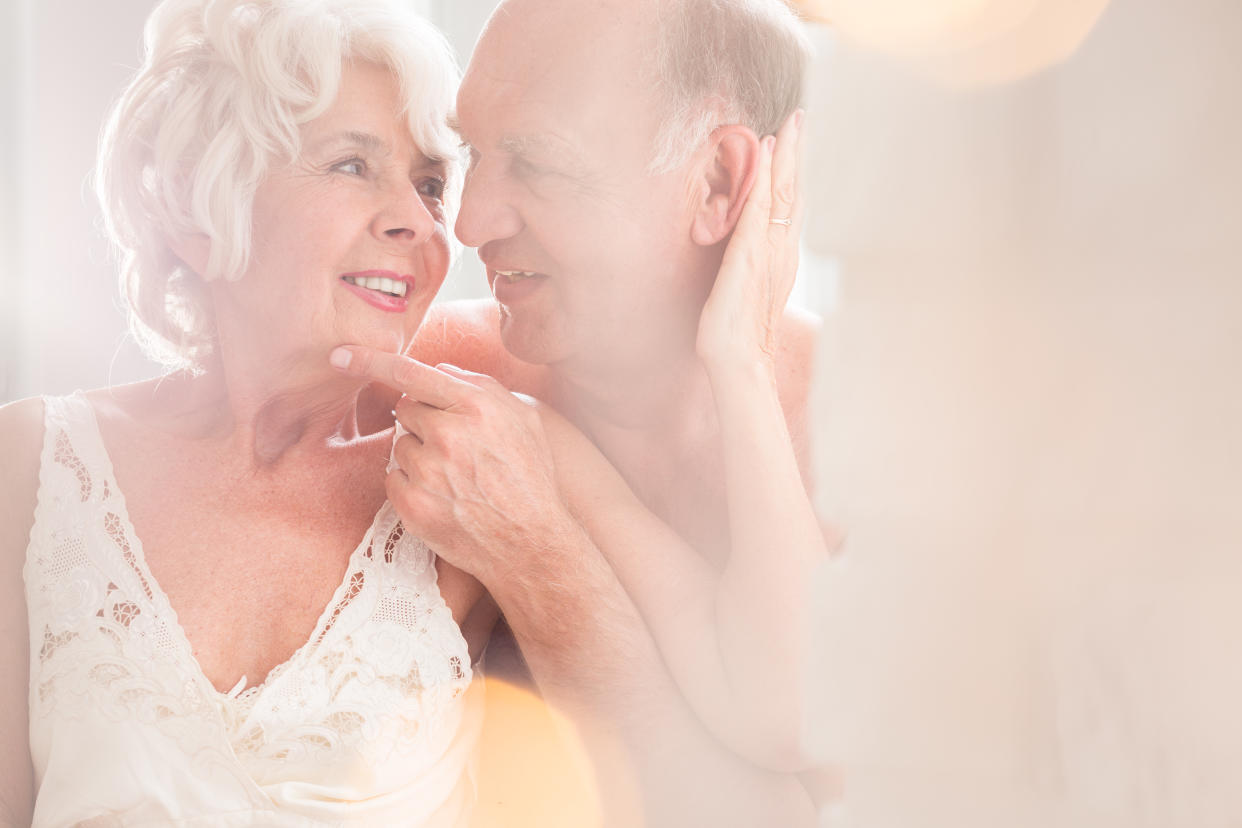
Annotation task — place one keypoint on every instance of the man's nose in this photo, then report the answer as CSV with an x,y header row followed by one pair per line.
x,y
487,209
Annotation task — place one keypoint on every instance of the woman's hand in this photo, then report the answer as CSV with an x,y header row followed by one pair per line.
x,y
739,323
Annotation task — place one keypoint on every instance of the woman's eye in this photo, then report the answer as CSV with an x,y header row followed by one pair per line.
x,y
432,188
354,166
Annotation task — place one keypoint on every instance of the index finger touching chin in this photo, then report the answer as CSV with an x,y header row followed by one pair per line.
x,y
410,377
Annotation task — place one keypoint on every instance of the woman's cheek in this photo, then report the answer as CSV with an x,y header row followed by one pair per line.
x,y
388,341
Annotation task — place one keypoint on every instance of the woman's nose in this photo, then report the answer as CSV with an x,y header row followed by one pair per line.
x,y
405,217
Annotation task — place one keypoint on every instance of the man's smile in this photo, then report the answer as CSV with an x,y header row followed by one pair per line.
x,y
512,285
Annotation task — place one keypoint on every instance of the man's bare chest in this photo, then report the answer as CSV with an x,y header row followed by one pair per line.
x,y
686,490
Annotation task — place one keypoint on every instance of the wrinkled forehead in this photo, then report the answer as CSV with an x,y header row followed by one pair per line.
x,y
556,64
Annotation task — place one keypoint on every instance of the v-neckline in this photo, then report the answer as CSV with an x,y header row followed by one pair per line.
x,y
164,606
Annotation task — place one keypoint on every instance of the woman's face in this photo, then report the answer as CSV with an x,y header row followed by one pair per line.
x,y
349,241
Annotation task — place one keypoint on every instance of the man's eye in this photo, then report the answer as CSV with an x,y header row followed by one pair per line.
x,y
432,188
523,166
354,166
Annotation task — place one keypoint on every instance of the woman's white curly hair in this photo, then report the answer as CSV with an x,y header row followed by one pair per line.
x,y
219,100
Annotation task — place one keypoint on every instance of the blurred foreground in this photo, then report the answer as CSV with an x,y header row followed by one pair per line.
x,y
1031,427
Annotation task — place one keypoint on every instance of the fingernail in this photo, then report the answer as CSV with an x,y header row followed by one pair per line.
x,y
770,141
340,358
798,118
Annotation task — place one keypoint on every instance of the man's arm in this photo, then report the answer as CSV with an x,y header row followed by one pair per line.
x,y
737,654
476,481
591,655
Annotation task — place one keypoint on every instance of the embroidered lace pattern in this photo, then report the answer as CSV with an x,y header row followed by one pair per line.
x,y
382,676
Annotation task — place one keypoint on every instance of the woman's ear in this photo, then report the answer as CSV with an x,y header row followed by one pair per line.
x,y
726,181
194,250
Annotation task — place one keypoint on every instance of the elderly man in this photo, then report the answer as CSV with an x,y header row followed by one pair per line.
x,y
617,154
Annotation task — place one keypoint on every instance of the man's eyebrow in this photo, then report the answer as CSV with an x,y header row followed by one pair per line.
x,y
546,149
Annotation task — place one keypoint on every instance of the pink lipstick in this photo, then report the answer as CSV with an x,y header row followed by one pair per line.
x,y
383,289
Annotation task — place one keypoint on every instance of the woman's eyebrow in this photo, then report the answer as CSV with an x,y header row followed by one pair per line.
x,y
372,144
365,140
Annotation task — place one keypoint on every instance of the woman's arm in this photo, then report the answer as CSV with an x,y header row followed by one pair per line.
x,y
737,640
21,442
736,655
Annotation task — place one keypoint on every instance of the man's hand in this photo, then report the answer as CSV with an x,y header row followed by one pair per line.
x,y
477,482
740,320
474,476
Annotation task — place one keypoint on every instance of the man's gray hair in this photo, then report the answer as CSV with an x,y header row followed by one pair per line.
x,y
723,62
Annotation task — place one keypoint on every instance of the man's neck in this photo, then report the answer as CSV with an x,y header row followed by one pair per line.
x,y
661,398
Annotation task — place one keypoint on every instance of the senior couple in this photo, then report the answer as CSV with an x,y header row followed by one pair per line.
x,y
219,608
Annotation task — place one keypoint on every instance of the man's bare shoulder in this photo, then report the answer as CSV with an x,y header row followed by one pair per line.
x,y
795,370
467,334
795,359
464,333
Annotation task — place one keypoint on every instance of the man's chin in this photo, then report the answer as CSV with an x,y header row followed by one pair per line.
x,y
531,340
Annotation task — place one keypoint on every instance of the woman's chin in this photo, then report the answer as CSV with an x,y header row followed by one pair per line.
x,y
388,341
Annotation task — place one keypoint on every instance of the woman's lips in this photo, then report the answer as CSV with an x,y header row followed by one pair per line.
x,y
378,288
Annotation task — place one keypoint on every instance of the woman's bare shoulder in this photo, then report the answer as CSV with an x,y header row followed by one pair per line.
x,y
21,440
21,445
27,412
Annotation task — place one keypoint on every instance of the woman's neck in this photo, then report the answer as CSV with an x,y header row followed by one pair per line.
x,y
260,417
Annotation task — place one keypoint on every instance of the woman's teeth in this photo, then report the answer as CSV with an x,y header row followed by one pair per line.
x,y
392,287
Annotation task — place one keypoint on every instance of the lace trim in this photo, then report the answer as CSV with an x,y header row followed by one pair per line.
x,y
382,674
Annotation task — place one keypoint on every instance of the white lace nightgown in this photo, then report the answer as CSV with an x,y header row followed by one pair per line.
x,y
373,721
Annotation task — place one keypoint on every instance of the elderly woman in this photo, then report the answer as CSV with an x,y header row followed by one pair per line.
x,y
226,621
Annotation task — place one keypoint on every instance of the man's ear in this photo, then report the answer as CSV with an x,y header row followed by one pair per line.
x,y
194,249
726,181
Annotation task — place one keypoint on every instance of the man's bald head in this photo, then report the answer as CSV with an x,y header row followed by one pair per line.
x,y
703,62
612,145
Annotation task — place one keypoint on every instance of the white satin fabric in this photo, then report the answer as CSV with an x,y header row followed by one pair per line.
x,y
374,721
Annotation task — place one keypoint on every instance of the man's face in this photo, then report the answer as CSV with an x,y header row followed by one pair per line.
x,y
560,119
